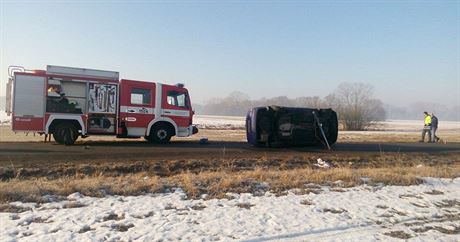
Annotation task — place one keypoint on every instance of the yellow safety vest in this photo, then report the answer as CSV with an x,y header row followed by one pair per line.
x,y
427,120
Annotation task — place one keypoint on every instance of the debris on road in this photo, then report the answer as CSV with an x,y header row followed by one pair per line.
x,y
204,140
322,164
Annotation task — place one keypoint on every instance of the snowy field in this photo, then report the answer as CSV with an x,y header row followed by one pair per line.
x,y
232,128
411,125
389,131
427,212
4,119
237,122
219,122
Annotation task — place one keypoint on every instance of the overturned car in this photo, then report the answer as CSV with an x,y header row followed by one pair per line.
x,y
275,126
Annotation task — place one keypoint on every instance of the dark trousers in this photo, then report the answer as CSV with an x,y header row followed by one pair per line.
x,y
433,134
429,134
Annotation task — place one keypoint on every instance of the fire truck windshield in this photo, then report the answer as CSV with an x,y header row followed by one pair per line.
x,y
178,99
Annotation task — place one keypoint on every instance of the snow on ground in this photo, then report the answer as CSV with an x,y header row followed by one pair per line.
x,y
411,125
4,119
426,212
219,122
236,122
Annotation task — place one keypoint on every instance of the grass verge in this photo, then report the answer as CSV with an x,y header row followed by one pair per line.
x,y
216,183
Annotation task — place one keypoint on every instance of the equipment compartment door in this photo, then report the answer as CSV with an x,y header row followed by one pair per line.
x,y
102,107
28,102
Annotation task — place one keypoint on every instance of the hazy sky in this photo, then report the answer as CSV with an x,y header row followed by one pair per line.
x,y
408,50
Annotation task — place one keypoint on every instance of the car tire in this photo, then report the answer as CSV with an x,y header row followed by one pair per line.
x,y
333,127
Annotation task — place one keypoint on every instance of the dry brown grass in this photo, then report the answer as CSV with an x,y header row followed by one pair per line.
x,y
166,168
217,183
34,189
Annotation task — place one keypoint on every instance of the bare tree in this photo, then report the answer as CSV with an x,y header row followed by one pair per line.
x,y
415,111
236,103
312,102
356,107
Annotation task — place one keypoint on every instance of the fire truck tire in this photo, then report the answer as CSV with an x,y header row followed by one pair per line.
x,y
65,133
160,134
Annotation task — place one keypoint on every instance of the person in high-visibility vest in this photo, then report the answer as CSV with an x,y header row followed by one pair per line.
x,y
426,127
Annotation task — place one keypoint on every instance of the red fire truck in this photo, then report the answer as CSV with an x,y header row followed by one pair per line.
x,y
69,102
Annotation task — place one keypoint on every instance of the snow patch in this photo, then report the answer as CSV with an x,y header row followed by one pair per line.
x,y
350,214
399,126
219,122
4,119
322,164
75,196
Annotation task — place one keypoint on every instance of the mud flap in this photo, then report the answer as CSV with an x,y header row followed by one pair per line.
x,y
194,129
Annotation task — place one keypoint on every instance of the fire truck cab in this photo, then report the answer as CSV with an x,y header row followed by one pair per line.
x,y
70,102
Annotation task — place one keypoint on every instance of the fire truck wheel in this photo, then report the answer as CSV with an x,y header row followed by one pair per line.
x,y
160,134
65,133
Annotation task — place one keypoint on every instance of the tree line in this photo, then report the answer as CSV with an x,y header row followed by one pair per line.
x,y
354,103
415,111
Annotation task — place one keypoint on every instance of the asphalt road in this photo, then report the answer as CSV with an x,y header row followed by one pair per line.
x,y
36,152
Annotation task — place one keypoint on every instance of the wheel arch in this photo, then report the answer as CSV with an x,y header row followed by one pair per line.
x,y
55,120
163,120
